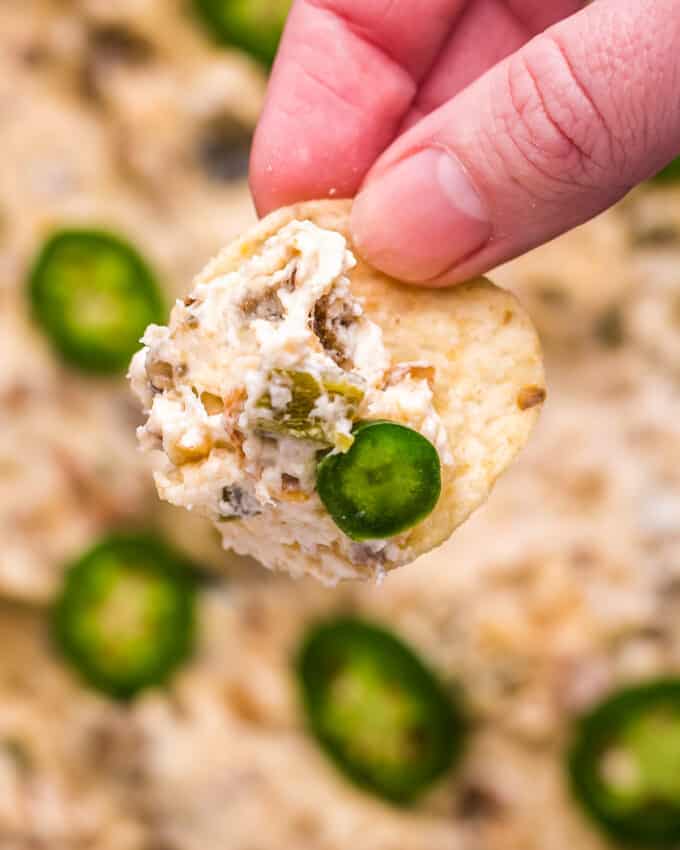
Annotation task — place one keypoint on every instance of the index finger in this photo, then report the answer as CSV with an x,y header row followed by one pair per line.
x,y
346,75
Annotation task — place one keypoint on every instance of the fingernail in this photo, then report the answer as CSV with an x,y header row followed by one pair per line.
x,y
420,218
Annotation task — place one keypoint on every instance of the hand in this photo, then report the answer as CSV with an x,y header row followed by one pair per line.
x,y
475,130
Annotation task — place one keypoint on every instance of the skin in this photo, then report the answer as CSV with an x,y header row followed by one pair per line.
x,y
470,131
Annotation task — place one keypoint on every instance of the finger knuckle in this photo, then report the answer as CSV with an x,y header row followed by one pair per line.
x,y
551,121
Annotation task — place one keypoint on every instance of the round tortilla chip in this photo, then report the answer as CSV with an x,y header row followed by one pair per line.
x,y
489,382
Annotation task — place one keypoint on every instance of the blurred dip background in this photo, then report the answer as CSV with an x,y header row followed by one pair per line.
x,y
134,118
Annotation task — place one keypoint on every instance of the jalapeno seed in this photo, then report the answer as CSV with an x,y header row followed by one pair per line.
x,y
388,481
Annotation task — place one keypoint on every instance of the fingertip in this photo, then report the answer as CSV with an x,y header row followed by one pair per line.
x,y
420,218
280,172
281,175
323,125
257,180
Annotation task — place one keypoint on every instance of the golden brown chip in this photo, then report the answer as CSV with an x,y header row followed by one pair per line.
x,y
484,349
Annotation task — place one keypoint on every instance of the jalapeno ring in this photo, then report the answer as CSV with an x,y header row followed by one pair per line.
x,y
388,481
124,618
670,174
253,25
94,296
624,764
378,712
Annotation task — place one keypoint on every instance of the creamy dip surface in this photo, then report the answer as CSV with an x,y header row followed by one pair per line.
x,y
258,371
563,588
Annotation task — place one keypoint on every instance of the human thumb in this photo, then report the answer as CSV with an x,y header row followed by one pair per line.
x,y
542,142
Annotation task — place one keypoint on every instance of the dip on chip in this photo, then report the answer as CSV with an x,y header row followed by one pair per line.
x,y
329,420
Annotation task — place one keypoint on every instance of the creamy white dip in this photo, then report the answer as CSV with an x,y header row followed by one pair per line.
x,y
257,371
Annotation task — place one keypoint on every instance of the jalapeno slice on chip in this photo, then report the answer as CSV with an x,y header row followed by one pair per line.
x,y
670,174
625,764
297,418
125,616
253,25
388,481
380,714
94,296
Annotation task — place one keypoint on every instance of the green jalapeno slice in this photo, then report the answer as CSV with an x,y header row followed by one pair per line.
x,y
625,764
378,712
670,174
94,297
124,618
255,26
388,481
297,418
